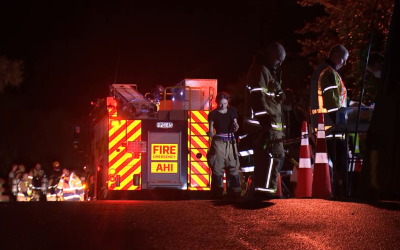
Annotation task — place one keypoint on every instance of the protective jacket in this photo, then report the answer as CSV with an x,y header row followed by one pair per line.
x,y
327,93
262,97
24,190
263,121
36,177
53,183
70,188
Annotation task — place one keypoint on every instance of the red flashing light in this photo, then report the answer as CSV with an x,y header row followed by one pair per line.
x,y
111,103
98,168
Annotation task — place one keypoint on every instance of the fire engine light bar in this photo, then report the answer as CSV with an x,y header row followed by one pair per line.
x,y
165,125
247,169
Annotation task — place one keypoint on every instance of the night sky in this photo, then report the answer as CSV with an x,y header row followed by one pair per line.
x,y
71,49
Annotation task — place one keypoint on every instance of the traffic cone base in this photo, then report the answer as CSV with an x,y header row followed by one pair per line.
x,y
304,190
304,175
321,187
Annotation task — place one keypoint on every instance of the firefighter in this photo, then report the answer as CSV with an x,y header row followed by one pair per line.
x,y
24,189
70,187
11,175
76,182
223,151
54,179
12,181
36,175
20,172
263,118
327,94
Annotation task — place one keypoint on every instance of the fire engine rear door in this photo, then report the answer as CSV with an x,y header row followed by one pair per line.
x,y
164,159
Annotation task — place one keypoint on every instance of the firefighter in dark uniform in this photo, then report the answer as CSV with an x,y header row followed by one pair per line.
x,y
36,175
53,182
223,155
263,118
327,95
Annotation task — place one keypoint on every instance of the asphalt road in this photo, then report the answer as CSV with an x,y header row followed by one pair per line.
x,y
185,224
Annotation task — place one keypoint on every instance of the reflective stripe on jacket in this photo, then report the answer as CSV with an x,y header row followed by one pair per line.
x,y
327,93
261,99
72,188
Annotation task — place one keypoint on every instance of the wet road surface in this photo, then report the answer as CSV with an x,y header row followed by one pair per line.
x,y
200,224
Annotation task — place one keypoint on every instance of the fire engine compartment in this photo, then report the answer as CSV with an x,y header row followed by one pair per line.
x,y
156,144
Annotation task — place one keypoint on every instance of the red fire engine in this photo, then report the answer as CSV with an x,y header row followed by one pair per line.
x,y
141,144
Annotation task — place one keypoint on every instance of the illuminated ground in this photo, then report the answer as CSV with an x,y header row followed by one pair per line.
x,y
277,224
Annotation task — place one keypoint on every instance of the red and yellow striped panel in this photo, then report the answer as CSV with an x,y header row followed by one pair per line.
x,y
195,152
121,164
199,174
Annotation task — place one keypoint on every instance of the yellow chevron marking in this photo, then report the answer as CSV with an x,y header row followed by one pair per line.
x,y
198,129
199,168
132,138
129,178
198,188
200,117
137,171
128,166
199,142
132,126
121,160
195,152
199,182
117,125
117,139
135,135
114,154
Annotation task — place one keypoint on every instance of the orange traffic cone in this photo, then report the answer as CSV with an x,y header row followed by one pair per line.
x,y
304,175
322,181
279,192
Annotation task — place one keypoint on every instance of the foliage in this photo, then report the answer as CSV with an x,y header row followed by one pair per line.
x,y
11,72
347,22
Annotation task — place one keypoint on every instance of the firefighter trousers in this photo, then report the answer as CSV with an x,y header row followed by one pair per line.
x,y
266,171
339,177
221,157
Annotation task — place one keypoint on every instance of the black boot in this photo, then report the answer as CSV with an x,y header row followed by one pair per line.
x,y
249,193
217,187
234,190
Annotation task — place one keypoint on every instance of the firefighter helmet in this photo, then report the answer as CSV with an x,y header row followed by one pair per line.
x,y
56,166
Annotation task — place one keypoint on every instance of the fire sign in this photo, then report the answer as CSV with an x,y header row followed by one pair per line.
x,y
164,167
164,152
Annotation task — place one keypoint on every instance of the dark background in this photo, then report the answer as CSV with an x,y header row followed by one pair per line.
x,y
71,51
